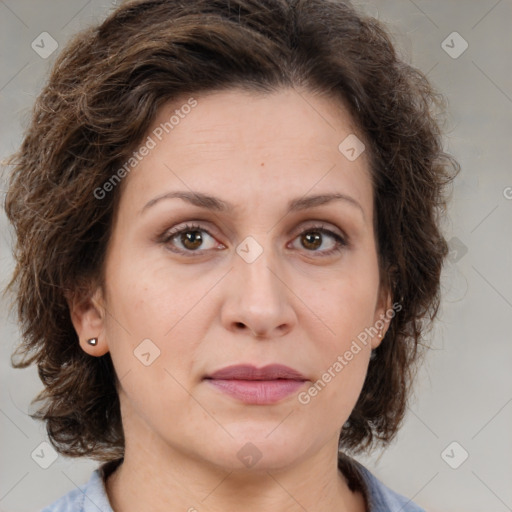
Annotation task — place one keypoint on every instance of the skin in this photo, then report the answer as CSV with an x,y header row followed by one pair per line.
x,y
293,305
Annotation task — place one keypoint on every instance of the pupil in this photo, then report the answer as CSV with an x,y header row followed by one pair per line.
x,y
313,239
191,239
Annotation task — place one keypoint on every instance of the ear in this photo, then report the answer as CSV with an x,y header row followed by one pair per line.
x,y
383,315
88,318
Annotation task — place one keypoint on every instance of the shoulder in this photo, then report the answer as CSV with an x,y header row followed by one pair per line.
x,y
90,497
380,498
73,501
383,499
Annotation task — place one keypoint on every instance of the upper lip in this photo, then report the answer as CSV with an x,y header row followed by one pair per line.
x,y
249,372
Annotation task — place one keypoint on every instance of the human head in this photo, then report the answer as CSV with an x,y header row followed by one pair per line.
x,y
149,53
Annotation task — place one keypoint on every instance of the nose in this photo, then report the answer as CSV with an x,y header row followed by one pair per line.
x,y
259,301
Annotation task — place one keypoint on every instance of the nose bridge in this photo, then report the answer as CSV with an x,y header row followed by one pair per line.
x,y
259,299
258,281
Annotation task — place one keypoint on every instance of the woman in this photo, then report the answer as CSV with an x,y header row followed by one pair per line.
x,y
228,252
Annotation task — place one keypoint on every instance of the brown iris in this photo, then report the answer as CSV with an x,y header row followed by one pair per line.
x,y
191,239
311,239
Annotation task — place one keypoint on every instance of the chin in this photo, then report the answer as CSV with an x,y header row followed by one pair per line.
x,y
258,449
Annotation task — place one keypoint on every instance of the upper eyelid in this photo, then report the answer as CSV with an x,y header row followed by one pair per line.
x,y
203,226
188,226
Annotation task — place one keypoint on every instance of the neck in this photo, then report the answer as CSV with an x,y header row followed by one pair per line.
x,y
147,480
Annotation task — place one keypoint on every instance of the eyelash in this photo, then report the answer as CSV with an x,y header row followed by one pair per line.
x,y
168,236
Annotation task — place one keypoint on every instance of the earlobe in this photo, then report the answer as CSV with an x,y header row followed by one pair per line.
x,y
94,347
88,317
382,317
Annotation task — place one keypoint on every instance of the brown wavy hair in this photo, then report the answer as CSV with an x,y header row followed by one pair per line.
x,y
100,99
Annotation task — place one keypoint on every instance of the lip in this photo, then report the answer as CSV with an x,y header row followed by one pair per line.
x,y
259,386
250,372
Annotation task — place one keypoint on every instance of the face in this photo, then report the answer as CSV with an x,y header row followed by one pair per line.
x,y
279,268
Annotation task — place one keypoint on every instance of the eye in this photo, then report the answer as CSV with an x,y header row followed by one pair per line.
x,y
189,238
313,238
194,239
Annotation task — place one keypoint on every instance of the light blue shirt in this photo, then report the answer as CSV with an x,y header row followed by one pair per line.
x,y
92,496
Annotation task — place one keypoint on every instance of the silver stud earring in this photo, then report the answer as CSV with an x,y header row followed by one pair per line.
x,y
93,341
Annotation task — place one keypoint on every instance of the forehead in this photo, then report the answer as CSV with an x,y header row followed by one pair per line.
x,y
269,119
245,144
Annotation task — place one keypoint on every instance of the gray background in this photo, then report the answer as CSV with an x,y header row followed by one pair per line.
x,y
464,391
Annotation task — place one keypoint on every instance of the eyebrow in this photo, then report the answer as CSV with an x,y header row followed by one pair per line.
x,y
216,204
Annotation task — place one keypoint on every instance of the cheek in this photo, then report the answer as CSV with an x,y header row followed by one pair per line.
x,y
341,356
346,306
153,399
150,297
347,302
157,311
152,343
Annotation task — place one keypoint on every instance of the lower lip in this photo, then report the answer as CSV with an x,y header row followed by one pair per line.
x,y
258,392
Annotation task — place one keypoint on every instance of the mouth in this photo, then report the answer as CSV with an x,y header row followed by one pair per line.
x,y
258,386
